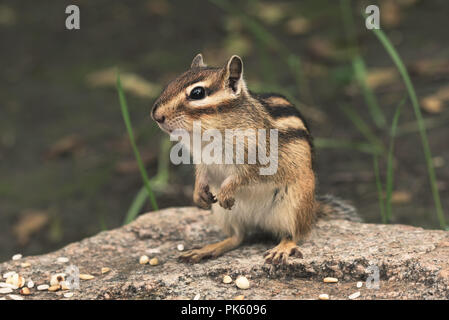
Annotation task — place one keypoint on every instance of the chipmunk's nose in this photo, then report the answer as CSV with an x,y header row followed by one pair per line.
x,y
157,116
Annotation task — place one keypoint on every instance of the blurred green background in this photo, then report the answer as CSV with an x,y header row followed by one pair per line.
x,y
67,169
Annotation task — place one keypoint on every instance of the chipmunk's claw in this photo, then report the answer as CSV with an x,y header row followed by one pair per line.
x,y
192,256
205,198
280,254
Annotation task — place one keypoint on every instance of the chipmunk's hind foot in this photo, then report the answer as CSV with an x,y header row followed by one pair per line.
x,y
280,253
211,250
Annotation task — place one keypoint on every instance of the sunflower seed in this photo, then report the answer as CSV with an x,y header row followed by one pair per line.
x,y
86,276
17,256
154,262
43,287
355,295
330,280
15,297
30,284
105,270
25,291
5,290
227,279
144,259
197,297
68,294
242,282
323,296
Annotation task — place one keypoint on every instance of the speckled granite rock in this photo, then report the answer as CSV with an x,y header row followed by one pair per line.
x,y
412,262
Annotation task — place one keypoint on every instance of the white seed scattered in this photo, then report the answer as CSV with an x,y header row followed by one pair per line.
x,y
330,280
105,270
15,297
62,260
323,296
17,256
355,295
144,259
359,284
68,294
8,285
25,264
16,280
56,279
5,290
227,279
2,298
241,297
197,297
154,262
30,284
86,276
8,274
180,247
43,287
242,282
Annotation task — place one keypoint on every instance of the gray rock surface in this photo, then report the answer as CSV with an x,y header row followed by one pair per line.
x,y
413,263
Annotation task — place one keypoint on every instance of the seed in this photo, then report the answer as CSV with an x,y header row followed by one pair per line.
x,y
330,280
17,256
56,279
105,270
86,276
323,296
359,284
30,284
154,262
64,285
54,288
25,291
241,297
227,279
62,260
7,285
197,297
15,297
16,280
144,259
180,247
355,295
43,287
25,265
242,282
5,290
68,294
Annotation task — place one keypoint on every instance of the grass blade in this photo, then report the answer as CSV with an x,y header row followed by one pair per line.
x,y
127,120
390,169
422,129
363,127
380,191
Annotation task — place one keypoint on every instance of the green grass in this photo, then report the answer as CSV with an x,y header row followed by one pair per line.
x,y
146,181
420,121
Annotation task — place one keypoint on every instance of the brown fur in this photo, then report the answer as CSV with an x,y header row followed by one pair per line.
x,y
228,104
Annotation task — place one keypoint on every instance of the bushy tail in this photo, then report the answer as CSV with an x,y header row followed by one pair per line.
x,y
331,207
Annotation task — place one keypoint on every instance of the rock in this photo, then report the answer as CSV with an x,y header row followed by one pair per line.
x,y
354,250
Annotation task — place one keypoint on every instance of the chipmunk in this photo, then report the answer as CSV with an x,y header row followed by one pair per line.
x,y
242,200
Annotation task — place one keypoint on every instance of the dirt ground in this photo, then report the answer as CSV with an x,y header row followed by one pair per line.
x,y
66,168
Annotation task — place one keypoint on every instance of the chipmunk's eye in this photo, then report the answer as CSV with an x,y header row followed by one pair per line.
x,y
197,93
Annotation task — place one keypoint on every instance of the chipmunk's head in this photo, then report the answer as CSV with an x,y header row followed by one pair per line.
x,y
201,93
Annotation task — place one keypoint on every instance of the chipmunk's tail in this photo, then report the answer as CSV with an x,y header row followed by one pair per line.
x,y
331,207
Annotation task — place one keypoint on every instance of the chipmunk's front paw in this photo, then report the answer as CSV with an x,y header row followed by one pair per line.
x,y
203,198
280,253
226,202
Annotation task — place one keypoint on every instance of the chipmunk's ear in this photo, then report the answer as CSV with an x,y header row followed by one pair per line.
x,y
198,62
234,74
